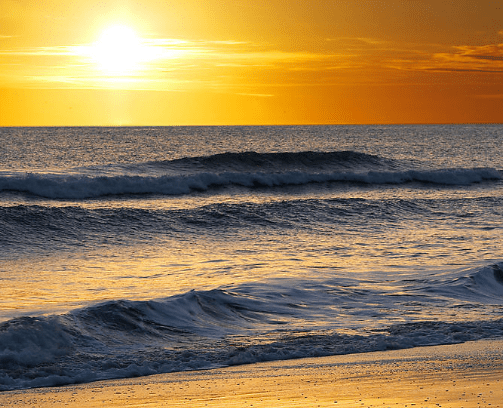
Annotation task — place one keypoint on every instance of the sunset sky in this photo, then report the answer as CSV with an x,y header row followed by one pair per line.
x,y
218,62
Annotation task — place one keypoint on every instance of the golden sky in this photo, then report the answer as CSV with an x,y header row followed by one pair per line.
x,y
218,62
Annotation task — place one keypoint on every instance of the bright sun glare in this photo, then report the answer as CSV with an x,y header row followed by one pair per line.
x,y
119,51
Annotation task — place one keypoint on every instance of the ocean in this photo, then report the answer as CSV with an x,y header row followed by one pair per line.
x,y
130,251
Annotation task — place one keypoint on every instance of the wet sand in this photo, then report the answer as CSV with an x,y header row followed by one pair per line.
x,y
463,375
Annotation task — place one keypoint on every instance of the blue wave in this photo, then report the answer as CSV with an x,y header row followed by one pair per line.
x,y
75,187
30,227
206,329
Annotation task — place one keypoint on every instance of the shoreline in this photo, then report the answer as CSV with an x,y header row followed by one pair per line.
x,y
461,375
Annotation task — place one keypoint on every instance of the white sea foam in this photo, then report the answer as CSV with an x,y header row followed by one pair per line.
x,y
84,186
204,329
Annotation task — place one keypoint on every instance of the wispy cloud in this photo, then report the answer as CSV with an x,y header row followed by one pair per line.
x,y
165,63
165,48
255,94
63,50
243,67
494,96
487,58
476,59
356,40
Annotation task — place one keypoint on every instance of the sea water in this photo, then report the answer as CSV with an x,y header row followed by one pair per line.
x,y
143,250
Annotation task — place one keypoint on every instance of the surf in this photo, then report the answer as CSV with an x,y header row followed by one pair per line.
x,y
202,329
244,170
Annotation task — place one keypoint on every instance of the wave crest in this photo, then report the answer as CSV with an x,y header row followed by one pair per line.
x,y
204,329
307,159
83,186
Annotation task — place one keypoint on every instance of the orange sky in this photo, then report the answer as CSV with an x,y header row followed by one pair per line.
x,y
218,62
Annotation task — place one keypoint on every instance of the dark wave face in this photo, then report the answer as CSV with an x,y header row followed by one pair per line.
x,y
206,329
30,227
249,170
275,161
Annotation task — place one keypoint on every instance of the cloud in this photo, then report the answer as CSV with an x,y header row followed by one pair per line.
x,y
463,70
179,64
62,50
356,40
484,50
172,48
167,64
255,94
495,96
486,58
489,57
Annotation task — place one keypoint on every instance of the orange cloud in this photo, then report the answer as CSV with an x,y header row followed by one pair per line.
x,y
463,58
175,65
487,58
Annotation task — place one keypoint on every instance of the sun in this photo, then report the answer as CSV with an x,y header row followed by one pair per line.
x,y
119,51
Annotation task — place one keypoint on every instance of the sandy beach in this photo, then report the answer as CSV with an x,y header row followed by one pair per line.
x,y
463,375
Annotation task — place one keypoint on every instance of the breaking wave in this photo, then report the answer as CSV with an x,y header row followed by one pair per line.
x,y
249,170
215,328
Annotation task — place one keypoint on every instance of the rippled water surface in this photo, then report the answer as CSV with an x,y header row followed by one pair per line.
x,y
132,251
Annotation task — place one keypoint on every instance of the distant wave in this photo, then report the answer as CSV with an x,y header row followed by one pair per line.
x,y
245,160
56,186
206,329
29,227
